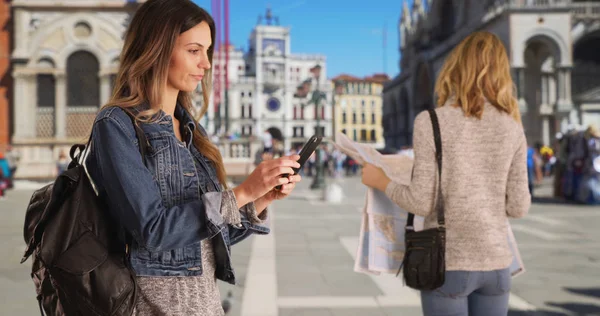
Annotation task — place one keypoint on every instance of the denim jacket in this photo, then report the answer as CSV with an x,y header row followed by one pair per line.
x,y
169,200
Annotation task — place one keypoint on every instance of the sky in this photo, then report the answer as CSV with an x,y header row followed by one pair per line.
x,y
350,33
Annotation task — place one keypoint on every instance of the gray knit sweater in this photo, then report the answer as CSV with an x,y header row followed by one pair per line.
x,y
484,181
192,295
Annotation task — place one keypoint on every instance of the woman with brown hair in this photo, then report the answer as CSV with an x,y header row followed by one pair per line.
x,y
484,177
173,203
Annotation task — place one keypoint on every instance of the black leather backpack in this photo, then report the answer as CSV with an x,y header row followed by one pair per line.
x,y
80,265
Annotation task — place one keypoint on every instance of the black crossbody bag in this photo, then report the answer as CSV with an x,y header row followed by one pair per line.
x,y
424,264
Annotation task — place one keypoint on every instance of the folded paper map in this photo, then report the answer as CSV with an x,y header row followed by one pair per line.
x,y
381,236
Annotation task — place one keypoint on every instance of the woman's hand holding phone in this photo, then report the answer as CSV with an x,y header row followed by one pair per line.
x,y
282,191
266,176
307,150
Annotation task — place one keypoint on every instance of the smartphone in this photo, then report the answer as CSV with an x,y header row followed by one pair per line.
x,y
307,150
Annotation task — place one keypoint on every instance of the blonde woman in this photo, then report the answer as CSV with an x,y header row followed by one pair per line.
x,y
173,201
484,177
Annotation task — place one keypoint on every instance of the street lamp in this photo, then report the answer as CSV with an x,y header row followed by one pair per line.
x,y
319,179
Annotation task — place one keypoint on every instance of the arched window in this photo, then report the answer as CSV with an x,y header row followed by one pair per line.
x,y
83,84
46,102
46,98
46,91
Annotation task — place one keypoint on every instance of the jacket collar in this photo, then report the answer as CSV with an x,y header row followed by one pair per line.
x,y
185,119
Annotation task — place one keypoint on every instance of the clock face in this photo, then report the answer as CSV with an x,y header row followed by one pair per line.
x,y
273,46
271,50
273,104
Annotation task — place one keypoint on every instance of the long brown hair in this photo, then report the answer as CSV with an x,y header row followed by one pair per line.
x,y
476,70
144,64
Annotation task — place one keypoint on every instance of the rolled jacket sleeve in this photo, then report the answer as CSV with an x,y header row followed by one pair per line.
x,y
241,222
228,211
249,210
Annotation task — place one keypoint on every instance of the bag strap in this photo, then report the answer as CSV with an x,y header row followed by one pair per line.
x,y
439,202
143,145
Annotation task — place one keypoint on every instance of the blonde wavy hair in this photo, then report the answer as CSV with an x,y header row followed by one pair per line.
x,y
144,65
478,70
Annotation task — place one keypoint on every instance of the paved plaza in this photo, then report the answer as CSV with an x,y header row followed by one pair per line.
x,y
305,267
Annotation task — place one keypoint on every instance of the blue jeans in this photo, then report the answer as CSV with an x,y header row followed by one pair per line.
x,y
469,293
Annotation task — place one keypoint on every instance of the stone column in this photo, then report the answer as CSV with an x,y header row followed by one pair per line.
x,y
546,130
568,86
25,115
520,83
552,89
257,100
564,103
105,88
21,29
545,91
560,85
32,102
60,111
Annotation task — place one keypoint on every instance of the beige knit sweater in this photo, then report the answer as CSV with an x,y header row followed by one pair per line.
x,y
484,181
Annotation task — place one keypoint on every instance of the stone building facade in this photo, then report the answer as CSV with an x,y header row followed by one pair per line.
x,y
552,46
358,108
270,88
64,60
5,75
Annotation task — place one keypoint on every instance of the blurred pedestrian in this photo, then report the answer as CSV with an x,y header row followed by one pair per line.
x,y
589,192
13,159
483,178
3,185
338,158
6,172
63,163
267,140
534,167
